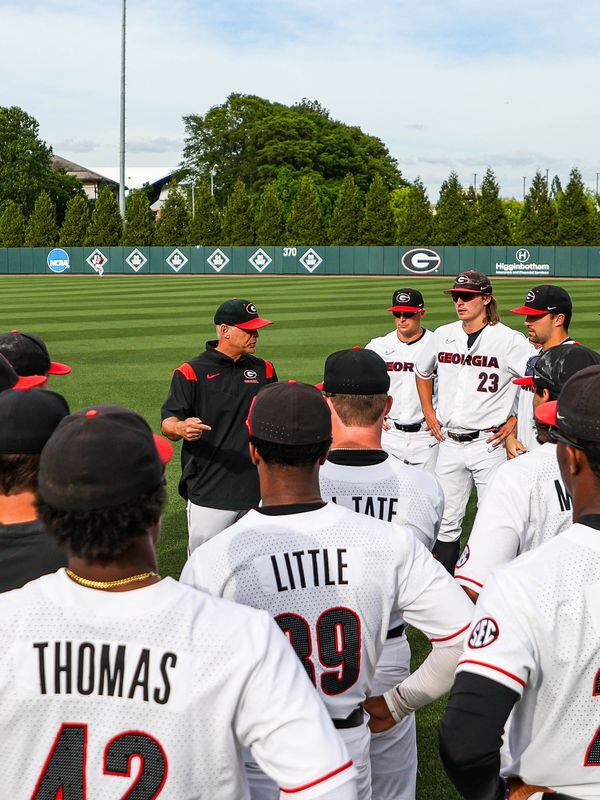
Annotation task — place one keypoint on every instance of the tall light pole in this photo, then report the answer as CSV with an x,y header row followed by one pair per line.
x,y
524,179
122,136
213,172
475,182
547,185
597,174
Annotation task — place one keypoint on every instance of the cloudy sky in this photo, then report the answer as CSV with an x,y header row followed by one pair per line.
x,y
446,84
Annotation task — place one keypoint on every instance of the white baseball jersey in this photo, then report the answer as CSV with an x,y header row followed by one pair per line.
x,y
526,430
400,359
391,491
525,505
335,581
475,388
536,630
174,679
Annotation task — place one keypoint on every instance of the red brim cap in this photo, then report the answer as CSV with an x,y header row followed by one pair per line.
x,y
528,312
528,381
254,324
405,308
459,290
164,448
27,382
547,412
320,386
56,368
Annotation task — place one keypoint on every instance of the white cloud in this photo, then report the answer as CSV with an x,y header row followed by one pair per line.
x,y
460,85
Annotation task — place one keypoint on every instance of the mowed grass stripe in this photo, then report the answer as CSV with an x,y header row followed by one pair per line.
x,y
124,336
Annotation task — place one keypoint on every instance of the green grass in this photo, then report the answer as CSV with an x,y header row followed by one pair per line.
x,y
123,336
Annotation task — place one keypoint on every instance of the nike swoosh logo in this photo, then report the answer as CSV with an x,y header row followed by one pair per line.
x,y
214,375
449,340
388,352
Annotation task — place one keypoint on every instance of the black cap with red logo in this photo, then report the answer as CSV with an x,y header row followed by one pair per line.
x,y
355,371
9,379
545,299
471,281
29,355
576,413
410,300
240,314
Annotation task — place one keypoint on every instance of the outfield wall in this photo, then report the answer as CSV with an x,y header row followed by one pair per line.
x,y
538,262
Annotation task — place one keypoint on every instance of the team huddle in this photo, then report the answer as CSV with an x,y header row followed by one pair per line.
x,y
322,521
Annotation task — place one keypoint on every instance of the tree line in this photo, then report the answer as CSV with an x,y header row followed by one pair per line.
x,y
403,216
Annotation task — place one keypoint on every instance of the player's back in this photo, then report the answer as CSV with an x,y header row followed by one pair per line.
x,y
546,637
387,489
334,580
91,679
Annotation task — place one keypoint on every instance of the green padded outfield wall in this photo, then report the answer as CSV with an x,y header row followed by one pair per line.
x,y
538,262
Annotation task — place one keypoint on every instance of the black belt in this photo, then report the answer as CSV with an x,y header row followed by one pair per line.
x,y
396,633
408,428
463,437
353,720
554,796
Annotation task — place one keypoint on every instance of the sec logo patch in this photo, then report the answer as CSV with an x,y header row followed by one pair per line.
x,y
464,557
484,633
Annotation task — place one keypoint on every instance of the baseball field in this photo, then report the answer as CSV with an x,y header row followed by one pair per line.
x,y
123,336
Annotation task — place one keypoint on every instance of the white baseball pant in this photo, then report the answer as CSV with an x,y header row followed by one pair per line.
x,y
419,448
204,523
357,741
394,752
459,465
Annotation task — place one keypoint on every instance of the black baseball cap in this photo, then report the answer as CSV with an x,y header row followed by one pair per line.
x,y
355,371
576,413
10,380
554,367
471,281
407,300
241,314
29,355
28,419
289,413
99,458
545,299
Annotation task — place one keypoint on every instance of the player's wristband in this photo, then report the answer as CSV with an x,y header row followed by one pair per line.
x,y
397,708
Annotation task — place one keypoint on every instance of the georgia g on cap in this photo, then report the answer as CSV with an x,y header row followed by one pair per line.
x,y
241,314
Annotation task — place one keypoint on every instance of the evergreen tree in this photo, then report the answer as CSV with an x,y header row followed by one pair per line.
x,y
42,230
12,225
205,225
76,222
173,223
138,230
347,215
106,226
490,226
514,211
238,218
377,226
537,225
305,223
416,226
555,188
471,198
452,213
270,218
574,227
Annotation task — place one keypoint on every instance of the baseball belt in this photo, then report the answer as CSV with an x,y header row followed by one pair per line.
x,y
463,437
353,720
396,633
408,428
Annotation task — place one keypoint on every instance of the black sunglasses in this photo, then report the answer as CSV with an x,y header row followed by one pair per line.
x,y
405,314
466,297
555,436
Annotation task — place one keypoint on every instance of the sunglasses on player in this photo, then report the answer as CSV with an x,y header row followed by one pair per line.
x,y
466,297
405,314
555,436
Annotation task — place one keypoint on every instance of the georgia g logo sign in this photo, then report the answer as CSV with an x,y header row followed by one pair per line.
x,y
421,260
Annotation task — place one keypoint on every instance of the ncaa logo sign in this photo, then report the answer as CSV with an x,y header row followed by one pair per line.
x,y
421,260
484,633
58,260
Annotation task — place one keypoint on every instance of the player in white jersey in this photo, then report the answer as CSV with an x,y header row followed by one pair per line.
x,y
404,433
476,359
334,580
547,311
360,475
534,645
527,503
115,683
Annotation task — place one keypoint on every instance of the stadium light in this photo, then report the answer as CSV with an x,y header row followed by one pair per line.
x,y
122,131
597,174
475,182
524,180
213,172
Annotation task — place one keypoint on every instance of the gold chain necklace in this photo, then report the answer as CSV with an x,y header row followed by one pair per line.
x,y
110,584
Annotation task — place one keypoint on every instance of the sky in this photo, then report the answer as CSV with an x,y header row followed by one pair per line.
x,y
446,84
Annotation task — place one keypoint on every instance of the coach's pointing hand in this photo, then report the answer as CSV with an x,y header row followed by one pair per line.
x,y
192,428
